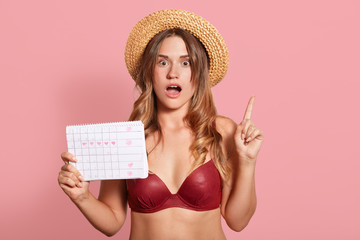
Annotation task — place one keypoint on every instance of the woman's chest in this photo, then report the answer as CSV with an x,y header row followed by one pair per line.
x,y
170,157
172,150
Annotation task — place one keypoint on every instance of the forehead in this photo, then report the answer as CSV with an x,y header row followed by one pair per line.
x,y
173,45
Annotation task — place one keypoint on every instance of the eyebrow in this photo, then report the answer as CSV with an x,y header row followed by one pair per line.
x,y
182,56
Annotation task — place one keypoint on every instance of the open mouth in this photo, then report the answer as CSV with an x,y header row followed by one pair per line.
x,y
173,89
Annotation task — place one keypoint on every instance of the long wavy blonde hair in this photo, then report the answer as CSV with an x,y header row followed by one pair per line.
x,y
202,112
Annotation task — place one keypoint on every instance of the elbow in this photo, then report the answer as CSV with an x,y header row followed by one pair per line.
x,y
237,222
110,233
113,230
237,227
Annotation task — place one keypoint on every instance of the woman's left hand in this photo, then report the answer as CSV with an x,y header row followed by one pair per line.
x,y
248,138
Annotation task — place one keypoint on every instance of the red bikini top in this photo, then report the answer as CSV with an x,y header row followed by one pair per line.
x,y
200,191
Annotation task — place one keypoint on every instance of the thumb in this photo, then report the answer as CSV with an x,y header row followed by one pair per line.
x,y
238,134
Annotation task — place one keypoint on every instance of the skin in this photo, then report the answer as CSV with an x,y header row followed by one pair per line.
x,y
171,161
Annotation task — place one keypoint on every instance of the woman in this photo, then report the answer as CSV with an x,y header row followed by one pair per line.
x,y
202,165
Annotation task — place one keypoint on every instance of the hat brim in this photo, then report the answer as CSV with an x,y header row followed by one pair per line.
x,y
161,20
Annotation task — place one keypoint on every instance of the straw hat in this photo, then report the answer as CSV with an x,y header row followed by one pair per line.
x,y
161,20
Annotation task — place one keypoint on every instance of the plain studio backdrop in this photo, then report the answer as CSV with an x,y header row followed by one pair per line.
x,y
62,63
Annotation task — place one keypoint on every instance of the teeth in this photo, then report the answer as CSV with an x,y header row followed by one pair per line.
x,y
174,87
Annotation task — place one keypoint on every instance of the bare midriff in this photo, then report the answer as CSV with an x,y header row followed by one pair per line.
x,y
177,223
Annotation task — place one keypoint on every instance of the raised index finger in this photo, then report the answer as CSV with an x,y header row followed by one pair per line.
x,y
249,107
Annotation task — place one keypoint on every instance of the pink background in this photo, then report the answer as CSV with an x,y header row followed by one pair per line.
x,y
61,62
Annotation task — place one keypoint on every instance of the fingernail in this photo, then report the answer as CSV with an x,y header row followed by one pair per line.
x,y
81,178
74,159
79,184
248,140
242,136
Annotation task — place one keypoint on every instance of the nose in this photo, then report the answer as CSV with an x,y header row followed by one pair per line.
x,y
173,71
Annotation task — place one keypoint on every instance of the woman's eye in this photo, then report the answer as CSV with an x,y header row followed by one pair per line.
x,y
163,62
186,63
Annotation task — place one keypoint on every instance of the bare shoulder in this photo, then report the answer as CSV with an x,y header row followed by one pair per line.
x,y
225,126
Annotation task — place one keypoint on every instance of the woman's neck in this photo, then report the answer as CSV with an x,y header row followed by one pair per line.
x,y
172,119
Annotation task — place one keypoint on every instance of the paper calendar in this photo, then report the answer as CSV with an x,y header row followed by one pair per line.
x,y
109,150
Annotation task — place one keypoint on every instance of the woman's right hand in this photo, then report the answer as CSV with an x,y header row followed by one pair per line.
x,y
71,181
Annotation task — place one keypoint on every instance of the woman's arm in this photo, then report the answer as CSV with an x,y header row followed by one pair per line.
x,y
238,195
108,212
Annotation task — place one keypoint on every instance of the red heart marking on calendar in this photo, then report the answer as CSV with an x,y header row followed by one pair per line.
x,y
106,143
91,143
130,164
129,142
113,143
99,143
129,173
84,143
128,129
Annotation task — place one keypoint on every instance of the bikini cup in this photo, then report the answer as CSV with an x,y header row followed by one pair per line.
x,y
200,191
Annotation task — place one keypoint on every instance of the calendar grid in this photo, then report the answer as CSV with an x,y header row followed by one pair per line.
x,y
109,150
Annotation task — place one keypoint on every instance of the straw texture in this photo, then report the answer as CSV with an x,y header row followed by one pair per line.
x,y
161,20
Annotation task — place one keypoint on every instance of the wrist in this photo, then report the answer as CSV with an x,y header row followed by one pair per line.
x,y
246,171
81,199
247,166
247,162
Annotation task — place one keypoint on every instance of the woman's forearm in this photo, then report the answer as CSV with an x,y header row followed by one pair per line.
x,y
100,215
242,199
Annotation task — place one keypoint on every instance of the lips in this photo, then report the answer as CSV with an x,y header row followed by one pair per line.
x,y
173,90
